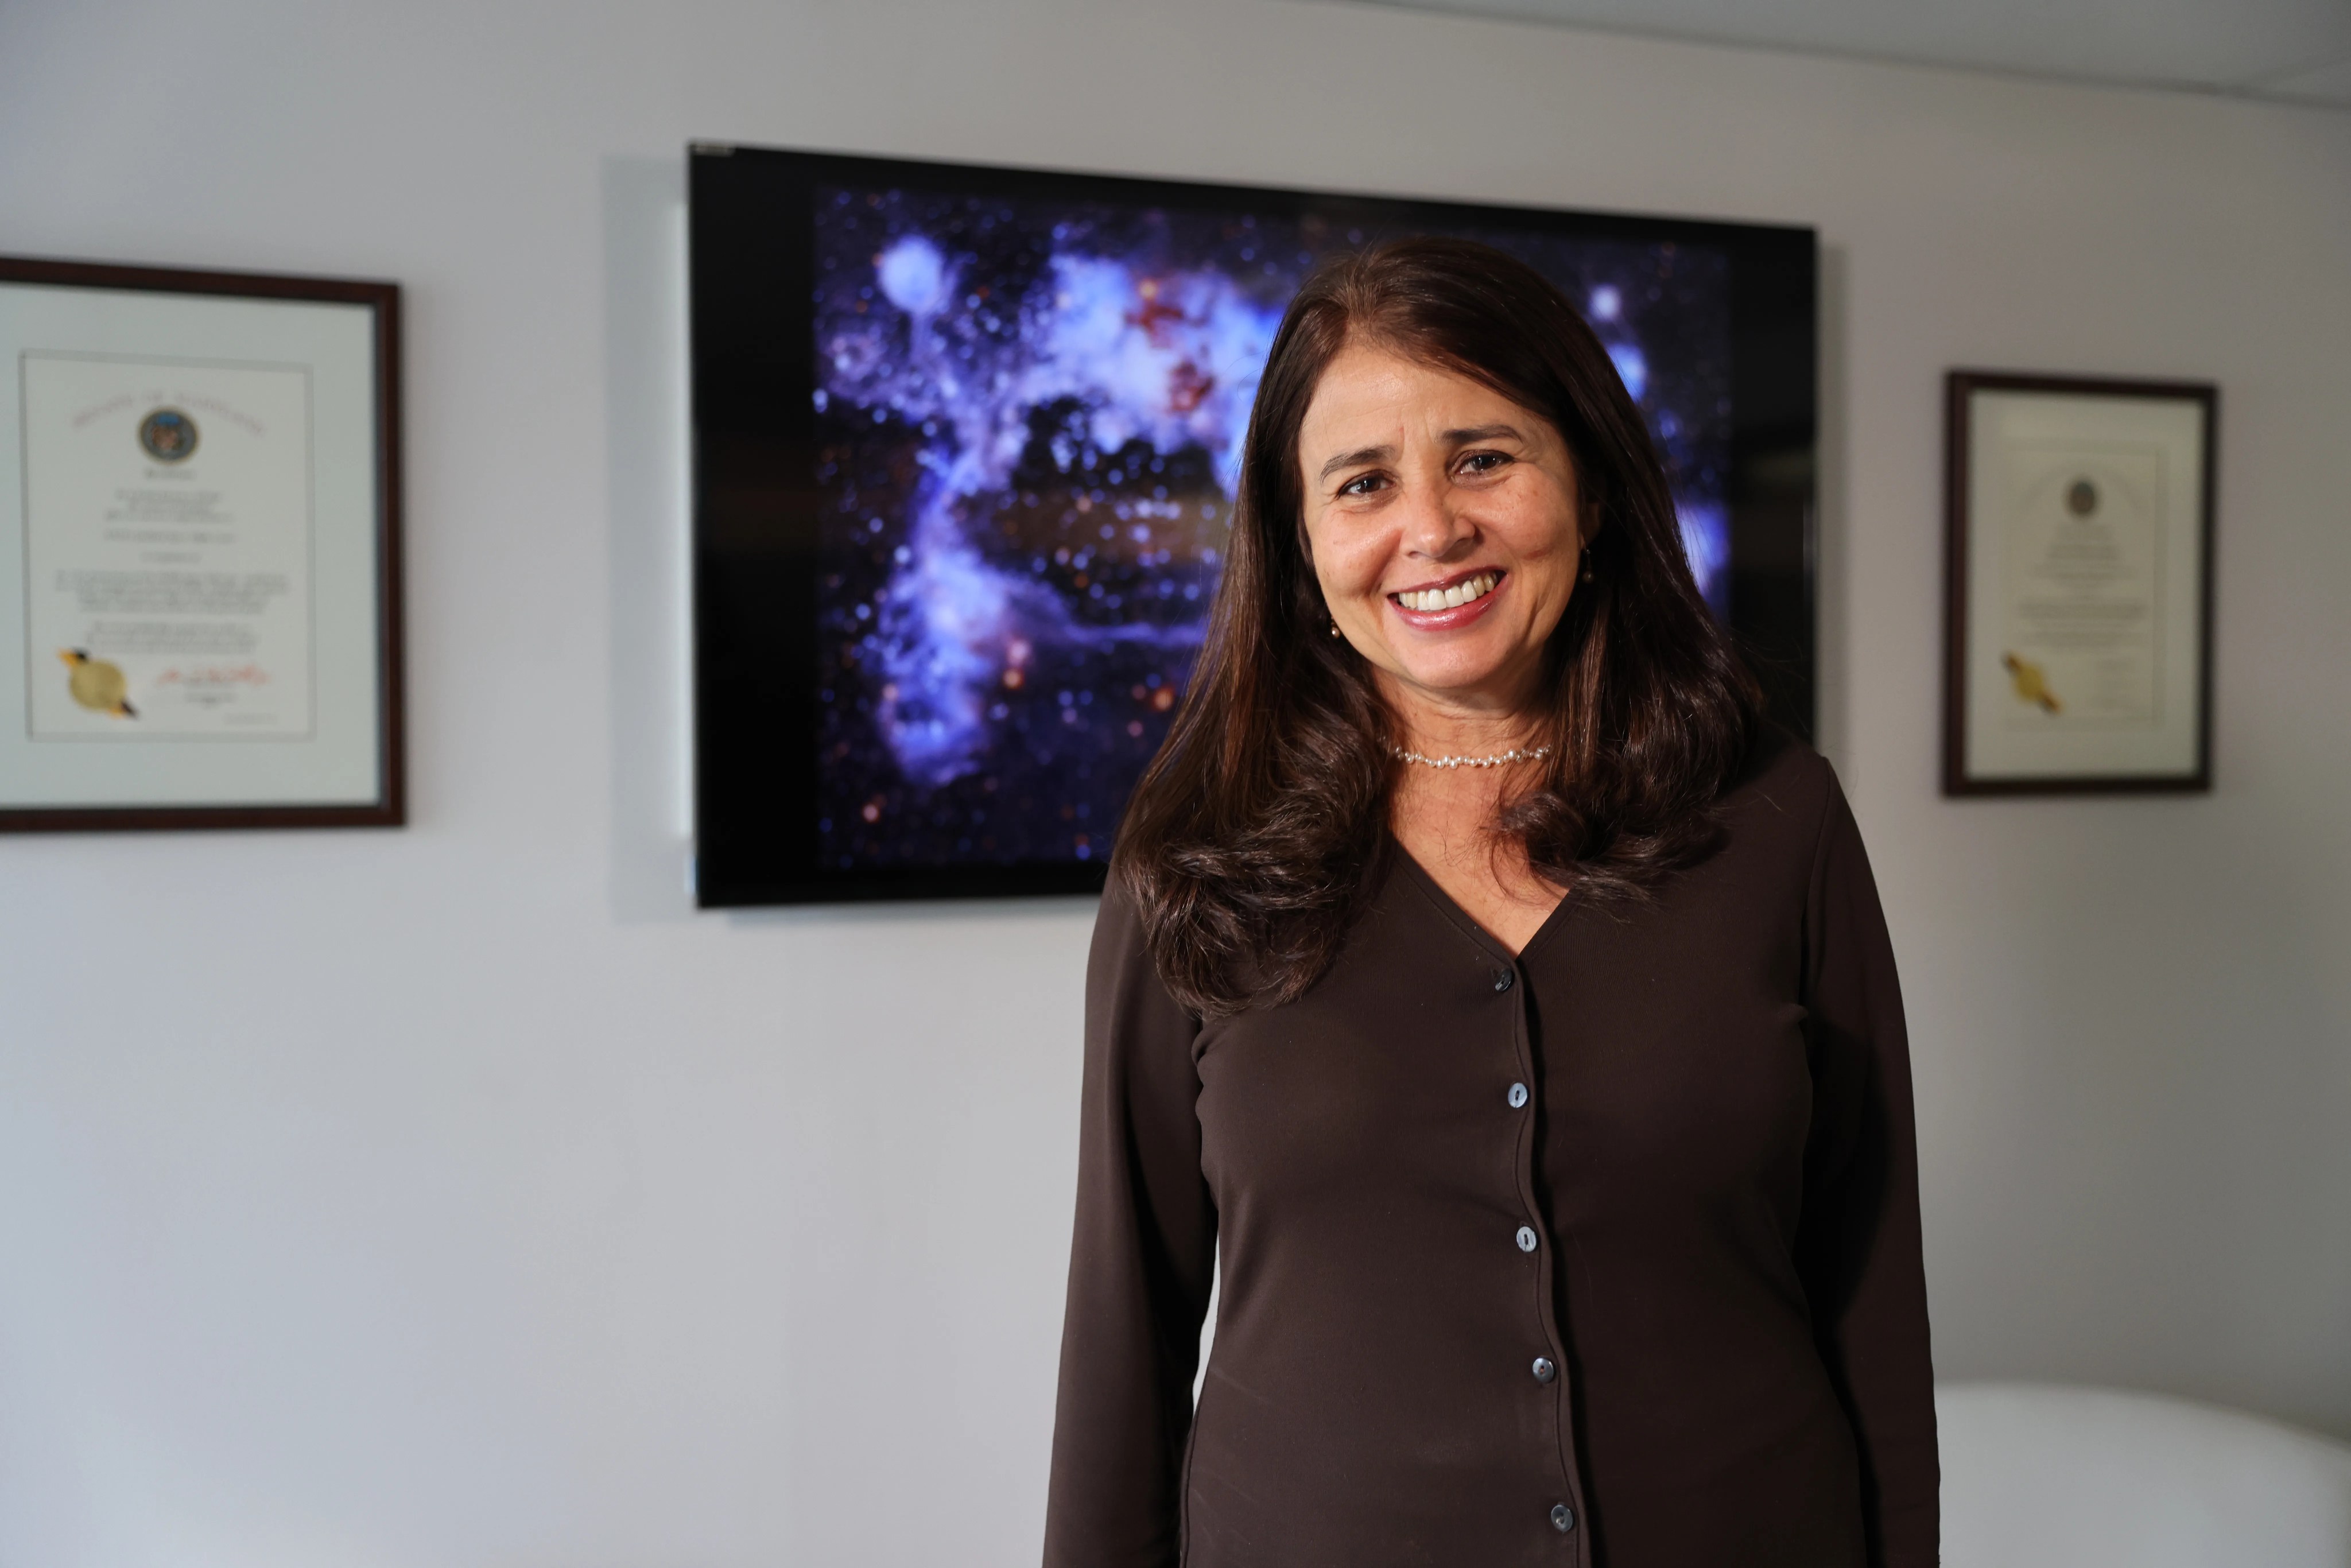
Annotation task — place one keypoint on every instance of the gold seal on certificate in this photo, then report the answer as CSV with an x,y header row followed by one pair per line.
x,y
2080,530
199,607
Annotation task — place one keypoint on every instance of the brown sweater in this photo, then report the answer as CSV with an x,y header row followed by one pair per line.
x,y
1608,1255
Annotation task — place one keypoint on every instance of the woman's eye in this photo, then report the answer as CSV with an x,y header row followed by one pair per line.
x,y
1364,485
1484,462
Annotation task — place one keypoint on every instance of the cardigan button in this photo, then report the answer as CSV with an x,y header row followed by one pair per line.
x,y
1562,1518
1528,1240
1502,979
1544,1370
1518,1095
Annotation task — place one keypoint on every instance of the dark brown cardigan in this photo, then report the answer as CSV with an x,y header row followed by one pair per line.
x,y
1663,1308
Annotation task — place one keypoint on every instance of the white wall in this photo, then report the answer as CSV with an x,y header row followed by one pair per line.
x,y
459,1196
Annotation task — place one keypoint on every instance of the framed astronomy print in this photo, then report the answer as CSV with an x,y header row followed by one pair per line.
x,y
966,441
2079,656
199,549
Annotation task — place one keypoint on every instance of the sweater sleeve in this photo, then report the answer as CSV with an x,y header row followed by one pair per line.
x,y
1141,1263
1858,1246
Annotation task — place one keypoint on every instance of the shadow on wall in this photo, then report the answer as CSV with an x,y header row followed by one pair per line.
x,y
647,482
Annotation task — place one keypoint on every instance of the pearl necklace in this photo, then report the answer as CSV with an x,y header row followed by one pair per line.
x,y
1513,755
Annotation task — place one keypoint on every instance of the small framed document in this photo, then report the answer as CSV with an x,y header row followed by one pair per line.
x,y
2078,655
199,549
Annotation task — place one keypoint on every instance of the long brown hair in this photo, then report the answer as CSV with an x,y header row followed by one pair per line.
x,y
1247,843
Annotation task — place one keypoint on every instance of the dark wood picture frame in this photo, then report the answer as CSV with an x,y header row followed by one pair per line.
x,y
390,808
1959,389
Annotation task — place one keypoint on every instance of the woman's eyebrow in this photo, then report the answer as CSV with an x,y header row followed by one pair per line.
x,y
1483,432
1361,454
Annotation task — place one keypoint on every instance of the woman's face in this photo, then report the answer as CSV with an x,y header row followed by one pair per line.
x,y
1444,523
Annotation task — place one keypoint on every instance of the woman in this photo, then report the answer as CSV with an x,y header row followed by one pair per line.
x,y
1515,1012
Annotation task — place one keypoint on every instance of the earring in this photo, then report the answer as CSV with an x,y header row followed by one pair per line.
x,y
1334,627
1587,563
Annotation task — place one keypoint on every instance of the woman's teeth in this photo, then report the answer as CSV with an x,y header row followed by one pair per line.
x,y
1460,593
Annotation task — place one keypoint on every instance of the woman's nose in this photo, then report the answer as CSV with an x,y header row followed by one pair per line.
x,y
1432,525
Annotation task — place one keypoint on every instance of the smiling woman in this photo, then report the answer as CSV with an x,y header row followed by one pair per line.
x,y
1446,548
1433,413
1503,1007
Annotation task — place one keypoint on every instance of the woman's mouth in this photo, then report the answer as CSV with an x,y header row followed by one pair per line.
x,y
1444,605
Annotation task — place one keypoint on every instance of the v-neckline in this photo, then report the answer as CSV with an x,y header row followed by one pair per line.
x,y
1450,907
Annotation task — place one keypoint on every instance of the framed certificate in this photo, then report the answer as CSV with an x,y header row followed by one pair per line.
x,y
2078,655
199,549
